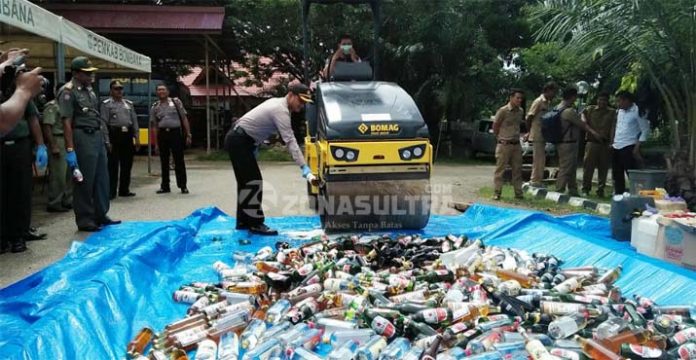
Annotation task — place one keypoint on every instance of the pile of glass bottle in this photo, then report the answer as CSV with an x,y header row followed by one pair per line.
x,y
413,298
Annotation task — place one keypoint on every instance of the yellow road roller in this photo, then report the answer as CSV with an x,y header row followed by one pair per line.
x,y
369,146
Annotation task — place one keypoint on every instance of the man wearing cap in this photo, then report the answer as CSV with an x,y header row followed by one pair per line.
x,y
272,116
86,140
172,131
59,185
119,115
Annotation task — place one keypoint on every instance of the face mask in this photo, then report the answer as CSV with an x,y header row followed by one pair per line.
x,y
346,48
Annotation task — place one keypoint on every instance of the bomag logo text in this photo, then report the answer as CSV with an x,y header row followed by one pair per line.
x,y
384,128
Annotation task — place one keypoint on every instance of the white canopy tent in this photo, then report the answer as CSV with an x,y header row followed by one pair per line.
x,y
53,39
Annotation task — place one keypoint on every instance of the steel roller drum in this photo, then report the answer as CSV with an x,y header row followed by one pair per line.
x,y
368,205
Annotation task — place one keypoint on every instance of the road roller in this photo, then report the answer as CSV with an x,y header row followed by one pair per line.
x,y
369,146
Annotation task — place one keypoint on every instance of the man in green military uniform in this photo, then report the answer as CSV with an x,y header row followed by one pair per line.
x,y
59,184
602,118
15,167
86,139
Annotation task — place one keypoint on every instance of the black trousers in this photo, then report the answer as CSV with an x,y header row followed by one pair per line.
x,y
622,160
171,142
120,158
248,175
16,172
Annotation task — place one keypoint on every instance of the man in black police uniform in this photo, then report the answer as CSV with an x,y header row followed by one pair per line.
x,y
16,172
86,139
119,114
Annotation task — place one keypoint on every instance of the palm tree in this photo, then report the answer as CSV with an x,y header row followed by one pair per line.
x,y
656,36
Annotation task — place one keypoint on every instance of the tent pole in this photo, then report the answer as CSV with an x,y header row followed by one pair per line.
x,y
149,125
207,95
60,63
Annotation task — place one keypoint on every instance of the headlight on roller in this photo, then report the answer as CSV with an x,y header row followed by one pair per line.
x,y
412,152
344,154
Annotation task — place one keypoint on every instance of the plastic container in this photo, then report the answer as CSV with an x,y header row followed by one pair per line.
x,y
646,180
644,235
622,208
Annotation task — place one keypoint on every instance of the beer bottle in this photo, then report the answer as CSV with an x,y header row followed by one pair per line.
x,y
228,348
635,317
419,328
252,288
344,351
140,342
640,352
595,350
525,281
686,335
684,352
441,275
383,327
687,311
207,350
178,354
568,354
534,347
567,325
252,334
635,336
371,349
610,276
431,352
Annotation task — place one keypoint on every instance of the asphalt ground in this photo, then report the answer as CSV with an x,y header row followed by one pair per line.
x,y
211,184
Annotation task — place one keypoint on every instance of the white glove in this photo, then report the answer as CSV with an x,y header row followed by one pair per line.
x,y
311,178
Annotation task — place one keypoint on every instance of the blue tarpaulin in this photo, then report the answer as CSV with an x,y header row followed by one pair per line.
x,y
91,303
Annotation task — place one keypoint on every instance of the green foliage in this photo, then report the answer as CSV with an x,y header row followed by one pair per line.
x,y
547,61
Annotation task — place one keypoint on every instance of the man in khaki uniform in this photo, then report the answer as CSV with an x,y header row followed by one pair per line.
x,y
539,107
602,119
567,149
506,127
59,183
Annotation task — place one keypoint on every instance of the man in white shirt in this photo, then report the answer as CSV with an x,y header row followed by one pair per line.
x,y
631,130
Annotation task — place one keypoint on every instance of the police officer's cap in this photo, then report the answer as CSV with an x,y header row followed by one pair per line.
x,y
116,84
302,91
82,63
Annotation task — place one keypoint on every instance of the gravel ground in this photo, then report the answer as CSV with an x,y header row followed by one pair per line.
x,y
211,184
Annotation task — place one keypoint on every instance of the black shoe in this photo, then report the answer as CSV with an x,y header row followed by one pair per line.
x,y
33,234
164,191
184,191
262,230
4,248
108,221
18,247
126,194
90,228
59,210
242,226
112,196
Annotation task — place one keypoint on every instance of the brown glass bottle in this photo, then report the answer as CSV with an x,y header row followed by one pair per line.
x,y
595,350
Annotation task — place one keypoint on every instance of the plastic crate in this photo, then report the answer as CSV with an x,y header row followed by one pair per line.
x,y
646,180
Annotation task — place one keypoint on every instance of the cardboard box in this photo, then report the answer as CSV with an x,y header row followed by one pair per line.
x,y
676,242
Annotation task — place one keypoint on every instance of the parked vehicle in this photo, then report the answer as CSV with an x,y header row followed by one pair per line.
x,y
478,138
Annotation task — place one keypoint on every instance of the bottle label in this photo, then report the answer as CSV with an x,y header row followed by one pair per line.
x,y
383,327
565,354
460,313
557,308
188,297
306,269
537,350
685,335
645,352
437,315
458,327
687,351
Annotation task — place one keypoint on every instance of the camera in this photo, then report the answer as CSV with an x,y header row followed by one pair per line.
x,y
10,73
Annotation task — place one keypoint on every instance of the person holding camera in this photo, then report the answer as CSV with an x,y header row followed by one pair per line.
x,y
27,86
86,140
